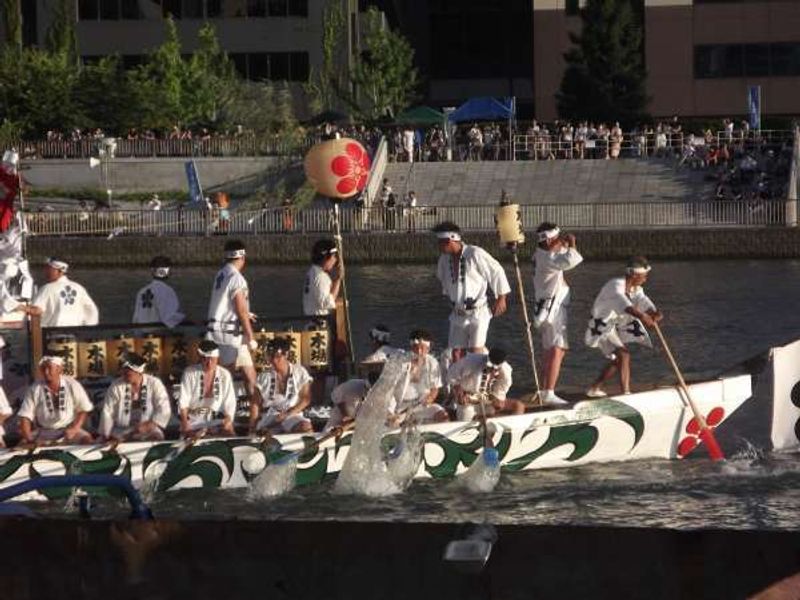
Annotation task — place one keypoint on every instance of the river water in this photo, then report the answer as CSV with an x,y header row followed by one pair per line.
x,y
717,314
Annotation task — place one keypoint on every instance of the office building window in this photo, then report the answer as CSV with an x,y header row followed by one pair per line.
x,y
298,8
172,7
273,66
256,8
88,10
747,60
785,59
572,7
108,10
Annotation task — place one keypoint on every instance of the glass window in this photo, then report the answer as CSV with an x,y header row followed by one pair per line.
x,y
171,7
213,8
717,61
278,8
130,9
109,10
87,10
572,7
258,66
298,66
756,60
785,59
298,8
131,61
256,8
279,66
240,63
192,9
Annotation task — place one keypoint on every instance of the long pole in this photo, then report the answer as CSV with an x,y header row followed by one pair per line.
x,y
528,329
706,434
339,248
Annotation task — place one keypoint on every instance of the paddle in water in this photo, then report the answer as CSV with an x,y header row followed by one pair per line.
x,y
484,473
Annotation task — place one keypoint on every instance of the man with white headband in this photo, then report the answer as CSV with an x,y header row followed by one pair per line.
x,y
282,394
321,288
63,302
136,405
157,302
207,400
555,253
467,273
619,316
229,317
380,338
420,386
482,377
54,407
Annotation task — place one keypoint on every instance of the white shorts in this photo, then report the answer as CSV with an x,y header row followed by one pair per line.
x,y
285,426
429,413
155,435
51,435
238,356
609,344
554,331
469,331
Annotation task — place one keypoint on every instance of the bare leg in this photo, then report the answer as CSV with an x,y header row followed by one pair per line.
x,y
624,365
608,371
552,367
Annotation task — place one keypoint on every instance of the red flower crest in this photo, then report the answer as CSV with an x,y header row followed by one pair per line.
x,y
353,168
692,440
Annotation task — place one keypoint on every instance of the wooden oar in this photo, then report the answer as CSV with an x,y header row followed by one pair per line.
x,y
333,433
536,397
706,434
490,455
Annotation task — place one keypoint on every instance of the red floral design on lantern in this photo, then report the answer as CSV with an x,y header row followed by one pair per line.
x,y
353,168
692,440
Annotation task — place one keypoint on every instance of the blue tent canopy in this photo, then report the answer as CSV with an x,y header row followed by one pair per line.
x,y
485,108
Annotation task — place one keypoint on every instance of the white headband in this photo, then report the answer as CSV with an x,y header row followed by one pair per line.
x,y
548,234
56,360
235,253
59,265
449,235
161,272
210,354
638,270
379,335
421,342
132,367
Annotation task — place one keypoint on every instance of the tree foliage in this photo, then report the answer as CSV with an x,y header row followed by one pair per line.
x,y
12,24
605,75
325,86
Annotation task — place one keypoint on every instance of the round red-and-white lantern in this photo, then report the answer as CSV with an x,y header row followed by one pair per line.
x,y
337,168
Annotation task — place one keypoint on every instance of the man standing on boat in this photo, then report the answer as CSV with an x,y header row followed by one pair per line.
x,y
282,394
467,273
321,289
207,399
56,407
229,316
157,302
136,405
483,378
555,253
620,314
63,302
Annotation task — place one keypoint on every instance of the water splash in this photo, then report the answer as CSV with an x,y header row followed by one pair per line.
x,y
403,465
748,460
483,474
276,480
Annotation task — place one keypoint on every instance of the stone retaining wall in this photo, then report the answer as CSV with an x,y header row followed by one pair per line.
x,y
421,247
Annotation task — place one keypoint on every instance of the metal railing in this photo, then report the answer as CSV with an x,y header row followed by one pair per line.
x,y
759,137
623,215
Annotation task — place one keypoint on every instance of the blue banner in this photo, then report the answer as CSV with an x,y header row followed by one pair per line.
x,y
754,106
195,191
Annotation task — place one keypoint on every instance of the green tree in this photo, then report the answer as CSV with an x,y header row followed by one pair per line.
x,y
12,23
103,94
61,37
208,78
384,76
605,75
325,85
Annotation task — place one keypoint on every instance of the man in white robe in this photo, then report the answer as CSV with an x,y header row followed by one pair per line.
x,y
229,316
467,273
555,253
422,380
136,405
207,398
620,314
157,302
5,412
483,378
283,392
54,407
380,338
347,398
321,289
63,302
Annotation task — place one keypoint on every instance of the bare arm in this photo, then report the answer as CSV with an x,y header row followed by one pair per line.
x,y
25,429
255,409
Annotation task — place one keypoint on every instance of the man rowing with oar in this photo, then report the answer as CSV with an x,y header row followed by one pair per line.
x,y
467,273
555,253
56,407
207,399
620,314
420,386
136,405
483,378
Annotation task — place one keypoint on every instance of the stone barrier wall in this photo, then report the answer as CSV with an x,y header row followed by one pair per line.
x,y
420,247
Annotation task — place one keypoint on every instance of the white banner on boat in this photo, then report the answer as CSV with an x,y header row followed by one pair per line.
x,y
786,396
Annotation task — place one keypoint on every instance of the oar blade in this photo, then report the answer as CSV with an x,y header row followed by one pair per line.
x,y
714,451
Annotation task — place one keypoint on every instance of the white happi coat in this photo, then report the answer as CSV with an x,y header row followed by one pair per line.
x,y
224,326
5,410
54,411
274,403
417,383
7,302
65,303
380,355
468,373
157,302
223,402
467,285
609,320
346,398
550,288
317,298
119,412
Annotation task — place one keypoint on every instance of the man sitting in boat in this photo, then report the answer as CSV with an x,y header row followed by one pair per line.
x,y
321,289
347,398
63,302
136,405
229,315
555,253
422,382
55,407
283,392
467,273
207,399
620,314
380,338
157,302
483,378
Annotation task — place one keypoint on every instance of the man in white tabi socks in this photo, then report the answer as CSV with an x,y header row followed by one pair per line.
x,y
55,407
486,377
467,273
136,405
380,338
322,283
555,253
283,392
347,398
207,399
229,316
420,386
64,303
620,314
157,302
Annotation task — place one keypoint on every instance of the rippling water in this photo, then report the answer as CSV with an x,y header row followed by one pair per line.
x,y
718,313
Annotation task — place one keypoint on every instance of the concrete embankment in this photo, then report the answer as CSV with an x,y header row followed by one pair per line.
x,y
419,247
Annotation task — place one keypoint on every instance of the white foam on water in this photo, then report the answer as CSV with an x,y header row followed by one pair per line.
x,y
275,480
404,466
480,478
